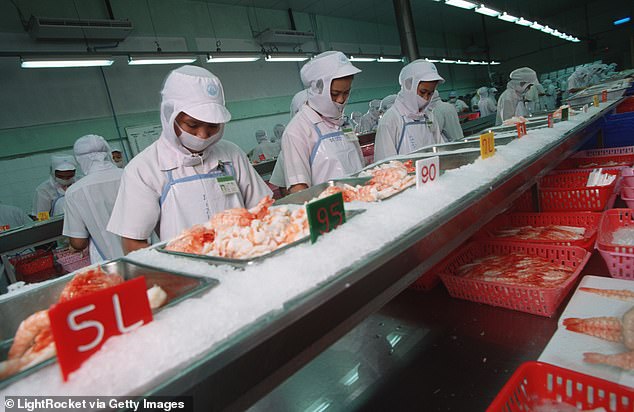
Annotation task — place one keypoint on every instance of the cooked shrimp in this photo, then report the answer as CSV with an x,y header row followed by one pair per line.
x,y
606,328
193,240
622,294
28,332
87,282
623,360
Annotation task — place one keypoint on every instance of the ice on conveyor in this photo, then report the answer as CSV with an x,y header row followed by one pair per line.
x,y
623,236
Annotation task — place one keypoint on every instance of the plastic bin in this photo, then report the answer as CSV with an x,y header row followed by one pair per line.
x,y
588,220
72,261
618,258
539,301
593,162
534,383
32,263
524,203
566,192
626,106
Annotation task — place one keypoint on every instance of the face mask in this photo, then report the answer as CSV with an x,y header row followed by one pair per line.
x,y
340,108
422,103
65,182
119,164
195,143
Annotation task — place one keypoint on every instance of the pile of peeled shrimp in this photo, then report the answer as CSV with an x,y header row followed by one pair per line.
x,y
33,341
240,233
608,328
386,180
545,233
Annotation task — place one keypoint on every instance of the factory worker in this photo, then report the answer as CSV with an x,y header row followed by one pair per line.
x,y
533,98
298,101
49,195
89,202
314,145
579,80
174,183
117,156
511,101
458,104
386,103
408,125
485,105
276,139
370,120
550,95
265,150
475,100
12,217
445,117
355,121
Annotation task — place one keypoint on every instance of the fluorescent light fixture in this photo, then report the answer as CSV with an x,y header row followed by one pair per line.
x,y
576,39
461,62
523,22
621,21
556,33
507,17
362,58
461,3
493,63
160,58
536,26
487,11
472,63
286,57
447,61
66,61
547,30
232,57
483,62
389,59
432,60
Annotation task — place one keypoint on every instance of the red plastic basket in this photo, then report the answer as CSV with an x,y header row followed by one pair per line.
x,y
587,220
72,261
626,106
597,161
618,258
539,301
534,383
607,152
33,262
568,192
524,203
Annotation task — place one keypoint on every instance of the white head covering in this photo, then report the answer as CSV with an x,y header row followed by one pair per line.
x,y
356,116
521,78
92,151
387,102
115,148
62,163
409,78
435,99
318,75
278,131
260,136
196,92
483,92
300,99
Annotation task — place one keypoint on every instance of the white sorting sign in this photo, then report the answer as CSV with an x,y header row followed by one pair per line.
x,y
141,137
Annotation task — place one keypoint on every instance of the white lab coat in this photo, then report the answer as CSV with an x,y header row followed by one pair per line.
x,y
89,204
399,134
316,151
264,151
447,121
158,189
277,176
367,123
550,98
49,197
460,106
13,217
510,104
486,106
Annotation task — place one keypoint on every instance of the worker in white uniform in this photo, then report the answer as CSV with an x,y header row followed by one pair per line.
x,y
533,98
386,103
189,174
49,195
579,80
475,101
314,145
117,156
12,217
444,115
265,150
276,139
485,105
370,120
511,102
89,202
408,125
458,104
492,93
550,95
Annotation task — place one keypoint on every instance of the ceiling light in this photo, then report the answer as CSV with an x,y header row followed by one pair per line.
x,y
66,61
446,61
389,59
473,63
494,63
536,26
621,21
160,58
523,22
232,57
432,60
461,3
487,11
507,17
461,62
362,58
576,40
556,33
286,57
547,30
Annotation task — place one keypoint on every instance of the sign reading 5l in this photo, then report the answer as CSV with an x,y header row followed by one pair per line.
x,y
80,326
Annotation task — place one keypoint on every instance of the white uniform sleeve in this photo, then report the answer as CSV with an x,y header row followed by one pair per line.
x,y
505,109
277,177
296,157
42,202
386,139
452,126
251,185
137,210
74,225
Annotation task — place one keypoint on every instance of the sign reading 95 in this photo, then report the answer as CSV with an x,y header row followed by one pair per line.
x,y
325,215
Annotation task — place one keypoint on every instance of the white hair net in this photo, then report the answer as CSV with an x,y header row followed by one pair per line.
x,y
62,163
298,101
409,78
90,150
387,102
483,92
260,136
278,131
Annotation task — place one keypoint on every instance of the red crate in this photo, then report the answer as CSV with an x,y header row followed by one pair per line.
x,y
618,258
606,152
626,160
568,192
626,106
524,203
33,262
587,220
539,301
534,383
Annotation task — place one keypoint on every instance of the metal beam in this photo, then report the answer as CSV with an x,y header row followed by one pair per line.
x,y
406,29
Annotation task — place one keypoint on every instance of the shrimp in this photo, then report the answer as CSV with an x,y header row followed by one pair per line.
x,y
608,328
193,240
622,294
241,216
87,282
623,360
27,337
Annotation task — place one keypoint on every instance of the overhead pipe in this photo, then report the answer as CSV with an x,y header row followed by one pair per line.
x,y
292,19
406,29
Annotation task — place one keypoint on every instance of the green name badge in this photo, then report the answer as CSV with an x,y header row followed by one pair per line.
x,y
325,215
228,185
564,114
